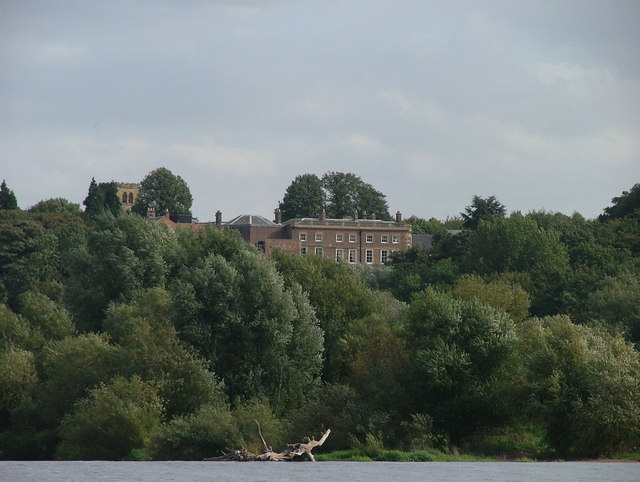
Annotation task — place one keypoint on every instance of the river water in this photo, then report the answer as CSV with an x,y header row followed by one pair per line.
x,y
321,471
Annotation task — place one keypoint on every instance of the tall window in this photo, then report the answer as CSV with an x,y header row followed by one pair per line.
x,y
395,239
339,254
352,238
384,238
130,198
353,256
318,237
319,250
302,236
369,256
303,250
384,255
369,238
339,238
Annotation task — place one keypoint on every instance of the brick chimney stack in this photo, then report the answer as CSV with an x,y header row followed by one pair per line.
x,y
218,219
151,212
398,217
278,216
323,215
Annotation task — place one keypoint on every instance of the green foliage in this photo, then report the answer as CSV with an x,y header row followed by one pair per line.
x,y
94,202
584,387
460,351
7,197
163,191
482,209
303,198
346,193
111,421
56,205
340,300
626,205
109,193
123,255
45,316
18,376
499,294
205,433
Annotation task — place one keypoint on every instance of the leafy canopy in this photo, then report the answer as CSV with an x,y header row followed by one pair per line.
x,y
164,191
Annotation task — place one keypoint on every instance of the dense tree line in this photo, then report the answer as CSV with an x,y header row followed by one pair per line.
x,y
123,339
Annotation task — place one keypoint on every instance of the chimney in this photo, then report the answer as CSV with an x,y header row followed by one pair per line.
x,y
151,212
373,216
355,215
323,215
218,219
398,217
166,213
278,216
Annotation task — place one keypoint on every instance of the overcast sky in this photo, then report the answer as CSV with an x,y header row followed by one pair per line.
x,y
431,102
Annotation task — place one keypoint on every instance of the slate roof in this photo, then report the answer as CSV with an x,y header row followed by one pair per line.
x,y
250,220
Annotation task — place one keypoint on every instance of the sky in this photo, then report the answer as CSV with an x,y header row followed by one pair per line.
x,y
431,102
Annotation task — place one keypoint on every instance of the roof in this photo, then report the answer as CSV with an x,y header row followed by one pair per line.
x,y
250,220
346,222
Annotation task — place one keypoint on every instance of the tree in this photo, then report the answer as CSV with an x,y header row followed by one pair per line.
x,y
625,205
460,351
583,385
347,193
7,197
482,209
94,203
55,205
303,198
109,193
163,191
111,421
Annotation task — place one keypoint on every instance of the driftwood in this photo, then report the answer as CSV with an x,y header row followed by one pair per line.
x,y
293,451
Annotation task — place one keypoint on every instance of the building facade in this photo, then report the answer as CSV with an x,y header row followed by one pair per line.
x,y
128,193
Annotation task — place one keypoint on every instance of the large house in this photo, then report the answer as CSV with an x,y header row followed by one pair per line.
x,y
354,240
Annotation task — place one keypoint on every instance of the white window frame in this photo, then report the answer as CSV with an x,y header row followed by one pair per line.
x,y
353,256
395,239
318,251
369,238
318,237
384,238
339,238
303,250
368,256
384,256
352,238
339,254
302,236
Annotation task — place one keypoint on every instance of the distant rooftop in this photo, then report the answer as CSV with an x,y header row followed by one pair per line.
x,y
250,220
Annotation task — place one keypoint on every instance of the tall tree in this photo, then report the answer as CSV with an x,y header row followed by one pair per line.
x,y
303,198
347,193
109,193
94,203
482,209
164,191
7,197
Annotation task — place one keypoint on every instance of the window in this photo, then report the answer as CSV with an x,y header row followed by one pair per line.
x,y
319,250
339,254
130,198
353,258
302,236
318,237
384,255
384,239
260,245
369,256
352,238
369,238
395,239
124,198
339,238
303,250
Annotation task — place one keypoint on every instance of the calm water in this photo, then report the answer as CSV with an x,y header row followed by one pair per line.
x,y
329,471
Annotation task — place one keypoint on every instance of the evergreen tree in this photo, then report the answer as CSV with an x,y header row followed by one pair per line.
x,y
482,209
109,193
7,197
94,203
